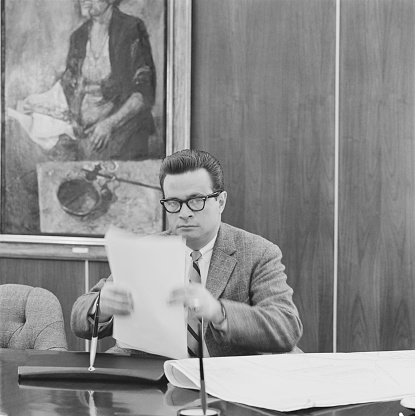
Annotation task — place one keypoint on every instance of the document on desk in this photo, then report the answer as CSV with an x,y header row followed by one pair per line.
x,y
150,267
288,382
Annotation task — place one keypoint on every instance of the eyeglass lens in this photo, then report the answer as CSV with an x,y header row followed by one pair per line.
x,y
195,204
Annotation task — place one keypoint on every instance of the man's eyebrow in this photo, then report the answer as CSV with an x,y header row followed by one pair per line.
x,y
194,195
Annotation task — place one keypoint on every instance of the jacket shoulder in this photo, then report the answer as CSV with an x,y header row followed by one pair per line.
x,y
128,23
238,234
234,240
81,32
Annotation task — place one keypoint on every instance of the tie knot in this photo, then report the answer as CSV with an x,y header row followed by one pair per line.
x,y
196,255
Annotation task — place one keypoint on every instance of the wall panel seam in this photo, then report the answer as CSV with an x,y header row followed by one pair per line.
x,y
336,173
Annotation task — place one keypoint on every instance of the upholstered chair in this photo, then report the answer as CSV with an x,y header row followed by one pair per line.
x,y
30,318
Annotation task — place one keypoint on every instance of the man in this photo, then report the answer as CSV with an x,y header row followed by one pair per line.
x,y
243,296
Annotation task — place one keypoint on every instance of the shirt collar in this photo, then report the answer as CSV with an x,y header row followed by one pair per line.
x,y
206,251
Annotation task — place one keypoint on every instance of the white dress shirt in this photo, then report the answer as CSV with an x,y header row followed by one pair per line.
x,y
204,261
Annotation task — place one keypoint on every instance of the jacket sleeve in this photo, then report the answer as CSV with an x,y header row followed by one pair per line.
x,y
268,321
132,65
81,325
143,69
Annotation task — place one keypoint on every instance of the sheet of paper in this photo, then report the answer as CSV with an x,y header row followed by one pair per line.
x,y
288,382
151,267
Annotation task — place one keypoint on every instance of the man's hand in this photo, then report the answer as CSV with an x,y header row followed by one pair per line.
x,y
114,300
200,301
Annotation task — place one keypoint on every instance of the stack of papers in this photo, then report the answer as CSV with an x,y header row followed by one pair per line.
x,y
150,267
288,382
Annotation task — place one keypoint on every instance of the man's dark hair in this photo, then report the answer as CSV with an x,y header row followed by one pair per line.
x,y
189,160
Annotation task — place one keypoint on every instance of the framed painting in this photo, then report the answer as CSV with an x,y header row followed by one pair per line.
x,y
95,93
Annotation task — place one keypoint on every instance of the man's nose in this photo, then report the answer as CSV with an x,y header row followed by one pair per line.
x,y
185,212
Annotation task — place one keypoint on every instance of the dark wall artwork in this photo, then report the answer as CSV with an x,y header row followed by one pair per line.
x,y
83,115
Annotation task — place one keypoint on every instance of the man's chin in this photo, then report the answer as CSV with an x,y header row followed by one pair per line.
x,y
190,235
186,230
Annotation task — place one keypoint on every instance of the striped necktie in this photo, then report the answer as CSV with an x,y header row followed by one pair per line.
x,y
193,322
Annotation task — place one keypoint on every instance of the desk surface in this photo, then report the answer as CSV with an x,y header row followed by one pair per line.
x,y
86,398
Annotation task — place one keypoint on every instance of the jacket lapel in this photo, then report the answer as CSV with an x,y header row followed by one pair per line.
x,y
222,262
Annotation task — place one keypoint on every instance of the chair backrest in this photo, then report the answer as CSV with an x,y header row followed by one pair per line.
x,y
30,318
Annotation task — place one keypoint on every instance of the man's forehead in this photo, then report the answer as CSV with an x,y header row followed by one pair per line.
x,y
187,179
187,184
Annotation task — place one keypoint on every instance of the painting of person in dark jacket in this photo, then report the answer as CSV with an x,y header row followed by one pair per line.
x,y
110,83
84,86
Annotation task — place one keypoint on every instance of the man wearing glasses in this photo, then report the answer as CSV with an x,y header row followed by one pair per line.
x,y
241,294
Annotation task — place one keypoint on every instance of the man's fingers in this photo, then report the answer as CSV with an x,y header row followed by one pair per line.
x,y
116,300
113,307
177,296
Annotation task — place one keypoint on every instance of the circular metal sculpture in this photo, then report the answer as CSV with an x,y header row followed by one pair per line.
x,y
78,197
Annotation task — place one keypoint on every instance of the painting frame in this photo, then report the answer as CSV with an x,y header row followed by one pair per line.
x,y
177,130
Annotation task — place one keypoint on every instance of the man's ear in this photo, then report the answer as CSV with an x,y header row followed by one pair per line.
x,y
222,201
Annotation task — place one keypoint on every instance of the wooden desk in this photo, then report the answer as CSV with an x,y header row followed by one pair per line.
x,y
84,398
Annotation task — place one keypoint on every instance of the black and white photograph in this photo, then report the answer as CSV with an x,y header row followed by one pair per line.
x,y
207,207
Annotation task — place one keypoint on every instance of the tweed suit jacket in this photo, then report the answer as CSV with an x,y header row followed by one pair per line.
x,y
247,275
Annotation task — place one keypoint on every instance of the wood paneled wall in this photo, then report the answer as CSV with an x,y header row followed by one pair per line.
x,y
67,279
377,176
263,103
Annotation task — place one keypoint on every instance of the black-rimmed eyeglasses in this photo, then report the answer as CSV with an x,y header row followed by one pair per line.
x,y
196,203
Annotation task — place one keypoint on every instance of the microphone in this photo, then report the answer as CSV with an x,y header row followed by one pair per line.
x,y
202,374
94,339
197,411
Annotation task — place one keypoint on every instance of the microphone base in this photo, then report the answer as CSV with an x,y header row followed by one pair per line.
x,y
198,411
